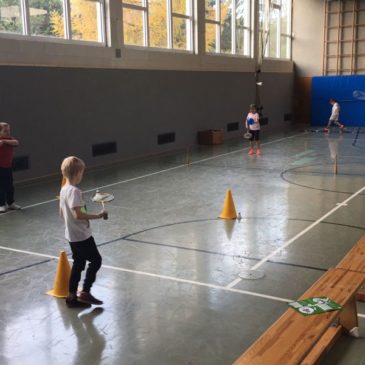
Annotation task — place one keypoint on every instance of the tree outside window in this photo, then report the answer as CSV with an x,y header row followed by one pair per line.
x,y
158,23
83,19
228,26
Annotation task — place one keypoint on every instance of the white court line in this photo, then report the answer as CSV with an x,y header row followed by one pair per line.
x,y
28,252
199,283
158,172
289,242
165,277
172,278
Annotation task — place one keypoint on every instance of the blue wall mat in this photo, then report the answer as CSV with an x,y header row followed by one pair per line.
x,y
349,91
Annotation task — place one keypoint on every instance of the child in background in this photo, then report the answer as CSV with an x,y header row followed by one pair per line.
x,y
335,116
78,233
253,126
7,144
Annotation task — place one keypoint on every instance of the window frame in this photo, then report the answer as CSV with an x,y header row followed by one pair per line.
x,y
169,26
279,34
247,47
67,38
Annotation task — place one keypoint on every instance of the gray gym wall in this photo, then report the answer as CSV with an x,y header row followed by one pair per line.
x,y
56,112
307,44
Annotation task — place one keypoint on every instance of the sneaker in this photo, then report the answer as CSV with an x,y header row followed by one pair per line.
x,y
258,151
342,127
3,208
251,151
86,297
73,302
14,207
326,130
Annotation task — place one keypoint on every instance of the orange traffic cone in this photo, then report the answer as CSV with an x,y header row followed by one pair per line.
x,y
60,288
229,210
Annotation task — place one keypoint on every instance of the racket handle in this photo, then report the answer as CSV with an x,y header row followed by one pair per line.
x,y
106,213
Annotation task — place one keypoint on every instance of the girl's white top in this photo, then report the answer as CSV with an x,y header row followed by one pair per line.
x,y
256,125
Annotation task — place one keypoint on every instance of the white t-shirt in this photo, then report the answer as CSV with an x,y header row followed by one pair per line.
x,y
75,229
256,118
335,111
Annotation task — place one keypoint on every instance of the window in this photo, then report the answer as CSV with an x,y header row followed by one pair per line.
x,y
135,22
228,26
275,28
67,19
11,16
158,23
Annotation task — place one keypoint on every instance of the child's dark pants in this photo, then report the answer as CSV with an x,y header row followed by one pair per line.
x,y
6,186
83,251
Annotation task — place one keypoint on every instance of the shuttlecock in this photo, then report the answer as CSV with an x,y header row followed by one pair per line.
x,y
239,217
97,196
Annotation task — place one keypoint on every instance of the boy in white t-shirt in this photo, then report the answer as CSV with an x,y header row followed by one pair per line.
x,y
252,124
78,233
335,116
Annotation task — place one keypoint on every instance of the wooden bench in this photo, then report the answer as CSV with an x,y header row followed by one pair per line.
x,y
355,261
296,339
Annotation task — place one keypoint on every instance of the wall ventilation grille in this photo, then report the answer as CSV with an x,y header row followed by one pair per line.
x,y
166,138
104,148
232,127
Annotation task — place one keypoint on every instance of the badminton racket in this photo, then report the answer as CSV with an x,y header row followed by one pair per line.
x,y
102,198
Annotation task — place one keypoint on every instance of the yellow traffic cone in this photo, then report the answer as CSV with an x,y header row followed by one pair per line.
x,y
229,210
60,288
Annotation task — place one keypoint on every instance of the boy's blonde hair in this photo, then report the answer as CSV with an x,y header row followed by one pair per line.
x,y
71,166
3,125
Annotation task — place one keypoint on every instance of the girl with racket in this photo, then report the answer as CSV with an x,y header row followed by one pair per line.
x,y
252,125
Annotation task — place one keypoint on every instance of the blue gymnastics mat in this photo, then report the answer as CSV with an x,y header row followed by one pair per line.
x,y
349,91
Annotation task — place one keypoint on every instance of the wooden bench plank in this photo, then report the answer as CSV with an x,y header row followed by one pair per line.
x,y
290,339
323,345
355,261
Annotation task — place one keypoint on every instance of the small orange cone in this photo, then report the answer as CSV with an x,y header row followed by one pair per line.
x,y
229,210
60,287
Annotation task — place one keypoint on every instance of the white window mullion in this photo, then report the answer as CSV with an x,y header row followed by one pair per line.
x,y
101,21
289,29
146,28
169,24
67,18
278,34
24,4
267,28
248,50
218,26
189,25
233,27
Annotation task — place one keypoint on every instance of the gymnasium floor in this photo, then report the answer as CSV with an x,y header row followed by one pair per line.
x,y
170,279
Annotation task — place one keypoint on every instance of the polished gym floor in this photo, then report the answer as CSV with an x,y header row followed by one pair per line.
x,y
170,277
